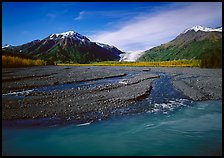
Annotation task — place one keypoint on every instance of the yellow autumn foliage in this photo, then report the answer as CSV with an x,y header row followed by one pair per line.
x,y
173,63
13,61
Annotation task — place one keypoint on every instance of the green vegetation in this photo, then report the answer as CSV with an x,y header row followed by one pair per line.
x,y
174,63
70,55
59,55
63,53
193,50
209,51
204,54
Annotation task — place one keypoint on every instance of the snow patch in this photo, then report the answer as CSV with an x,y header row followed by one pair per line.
x,y
69,34
104,45
201,28
6,46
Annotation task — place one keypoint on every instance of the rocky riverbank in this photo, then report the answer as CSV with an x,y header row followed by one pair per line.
x,y
196,83
78,102
88,93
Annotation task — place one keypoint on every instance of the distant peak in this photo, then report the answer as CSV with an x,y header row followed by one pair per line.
x,y
201,28
6,46
68,33
71,34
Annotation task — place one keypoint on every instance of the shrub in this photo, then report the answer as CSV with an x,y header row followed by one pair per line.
x,y
211,58
13,61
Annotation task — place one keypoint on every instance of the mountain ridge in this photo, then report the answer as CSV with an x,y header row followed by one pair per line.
x,y
190,44
201,28
66,47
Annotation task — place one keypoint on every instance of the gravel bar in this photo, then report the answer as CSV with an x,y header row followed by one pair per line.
x,y
196,83
81,103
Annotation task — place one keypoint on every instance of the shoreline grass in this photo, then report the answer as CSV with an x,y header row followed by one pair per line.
x,y
173,63
14,61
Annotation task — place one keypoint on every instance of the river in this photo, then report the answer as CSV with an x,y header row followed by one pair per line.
x,y
165,123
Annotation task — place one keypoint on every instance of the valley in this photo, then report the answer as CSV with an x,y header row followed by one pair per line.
x,y
84,81
111,79
197,46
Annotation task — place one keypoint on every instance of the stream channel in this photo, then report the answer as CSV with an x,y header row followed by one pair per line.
x,y
165,123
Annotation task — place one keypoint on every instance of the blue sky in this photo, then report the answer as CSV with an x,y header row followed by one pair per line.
x,y
130,26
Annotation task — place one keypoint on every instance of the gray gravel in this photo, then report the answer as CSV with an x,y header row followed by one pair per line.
x,y
198,84
73,102
16,79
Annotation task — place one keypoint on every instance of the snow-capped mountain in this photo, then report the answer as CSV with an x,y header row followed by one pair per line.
x,y
69,34
201,34
7,46
201,28
193,43
67,47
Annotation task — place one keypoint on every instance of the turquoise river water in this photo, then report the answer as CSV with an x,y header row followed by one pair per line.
x,y
194,128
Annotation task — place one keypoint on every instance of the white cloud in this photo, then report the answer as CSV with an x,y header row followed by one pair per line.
x,y
80,16
149,30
